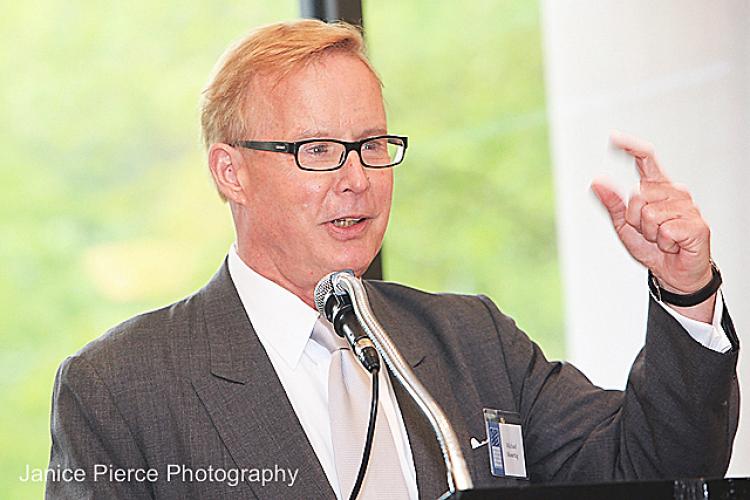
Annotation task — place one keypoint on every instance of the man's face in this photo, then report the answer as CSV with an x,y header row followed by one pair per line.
x,y
289,217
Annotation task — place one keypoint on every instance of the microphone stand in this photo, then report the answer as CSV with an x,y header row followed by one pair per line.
x,y
455,464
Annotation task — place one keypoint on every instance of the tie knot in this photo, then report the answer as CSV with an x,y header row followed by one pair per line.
x,y
324,335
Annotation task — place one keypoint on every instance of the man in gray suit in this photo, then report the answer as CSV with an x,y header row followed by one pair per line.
x,y
225,394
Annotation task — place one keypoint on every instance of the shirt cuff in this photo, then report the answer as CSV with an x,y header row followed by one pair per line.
x,y
711,336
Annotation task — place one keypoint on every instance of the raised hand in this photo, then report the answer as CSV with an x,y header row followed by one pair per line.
x,y
660,226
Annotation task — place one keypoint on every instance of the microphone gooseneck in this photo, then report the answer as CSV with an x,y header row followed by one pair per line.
x,y
457,471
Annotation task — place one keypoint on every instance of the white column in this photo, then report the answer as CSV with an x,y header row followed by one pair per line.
x,y
677,73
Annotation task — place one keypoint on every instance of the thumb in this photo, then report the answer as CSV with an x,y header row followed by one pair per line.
x,y
612,202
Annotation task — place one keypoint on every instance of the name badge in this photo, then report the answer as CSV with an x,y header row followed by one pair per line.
x,y
505,443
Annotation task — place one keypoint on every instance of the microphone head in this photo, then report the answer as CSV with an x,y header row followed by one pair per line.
x,y
323,291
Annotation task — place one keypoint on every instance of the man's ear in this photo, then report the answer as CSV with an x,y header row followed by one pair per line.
x,y
224,161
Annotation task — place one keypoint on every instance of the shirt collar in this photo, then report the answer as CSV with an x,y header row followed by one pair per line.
x,y
282,321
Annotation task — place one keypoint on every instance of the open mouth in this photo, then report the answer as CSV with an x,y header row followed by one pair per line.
x,y
344,223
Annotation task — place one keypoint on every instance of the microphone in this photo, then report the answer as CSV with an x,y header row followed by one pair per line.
x,y
336,307
345,283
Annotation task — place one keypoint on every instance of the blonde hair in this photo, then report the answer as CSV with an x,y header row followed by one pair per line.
x,y
276,50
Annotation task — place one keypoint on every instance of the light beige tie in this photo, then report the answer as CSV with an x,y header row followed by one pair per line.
x,y
349,393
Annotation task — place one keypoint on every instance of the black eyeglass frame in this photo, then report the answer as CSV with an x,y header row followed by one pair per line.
x,y
293,147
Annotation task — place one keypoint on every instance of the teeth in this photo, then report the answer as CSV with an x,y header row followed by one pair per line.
x,y
345,222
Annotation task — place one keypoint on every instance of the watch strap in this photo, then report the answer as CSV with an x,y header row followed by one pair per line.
x,y
685,300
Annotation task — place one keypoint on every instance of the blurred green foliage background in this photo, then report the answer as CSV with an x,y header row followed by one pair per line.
x,y
108,209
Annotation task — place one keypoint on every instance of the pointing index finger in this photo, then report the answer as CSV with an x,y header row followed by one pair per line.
x,y
643,152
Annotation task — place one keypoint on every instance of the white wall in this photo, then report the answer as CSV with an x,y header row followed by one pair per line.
x,y
676,72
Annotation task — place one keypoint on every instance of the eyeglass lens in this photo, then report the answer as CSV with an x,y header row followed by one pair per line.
x,y
379,152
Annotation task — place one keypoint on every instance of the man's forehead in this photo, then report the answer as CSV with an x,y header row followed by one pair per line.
x,y
309,133
272,79
337,97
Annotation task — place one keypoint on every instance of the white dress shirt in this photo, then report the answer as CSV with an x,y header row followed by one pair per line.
x,y
284,324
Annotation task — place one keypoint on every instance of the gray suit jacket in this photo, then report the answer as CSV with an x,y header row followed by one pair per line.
x,y
190,385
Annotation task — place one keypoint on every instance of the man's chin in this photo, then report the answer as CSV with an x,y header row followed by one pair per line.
x,y
359,266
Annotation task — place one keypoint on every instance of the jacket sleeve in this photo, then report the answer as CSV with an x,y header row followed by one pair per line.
x,y
676,418
89,434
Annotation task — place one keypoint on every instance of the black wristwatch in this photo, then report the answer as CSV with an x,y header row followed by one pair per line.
x,y
691,299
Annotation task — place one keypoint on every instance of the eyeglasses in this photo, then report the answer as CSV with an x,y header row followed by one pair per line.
x,y
381,151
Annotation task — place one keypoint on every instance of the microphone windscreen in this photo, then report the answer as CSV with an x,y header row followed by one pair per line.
x,y
323,290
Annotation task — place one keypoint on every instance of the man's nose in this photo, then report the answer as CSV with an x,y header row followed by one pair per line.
x,y
353,176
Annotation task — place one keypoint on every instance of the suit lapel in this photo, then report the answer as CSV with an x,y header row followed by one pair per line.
x,y
246,401
428,459
442,375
